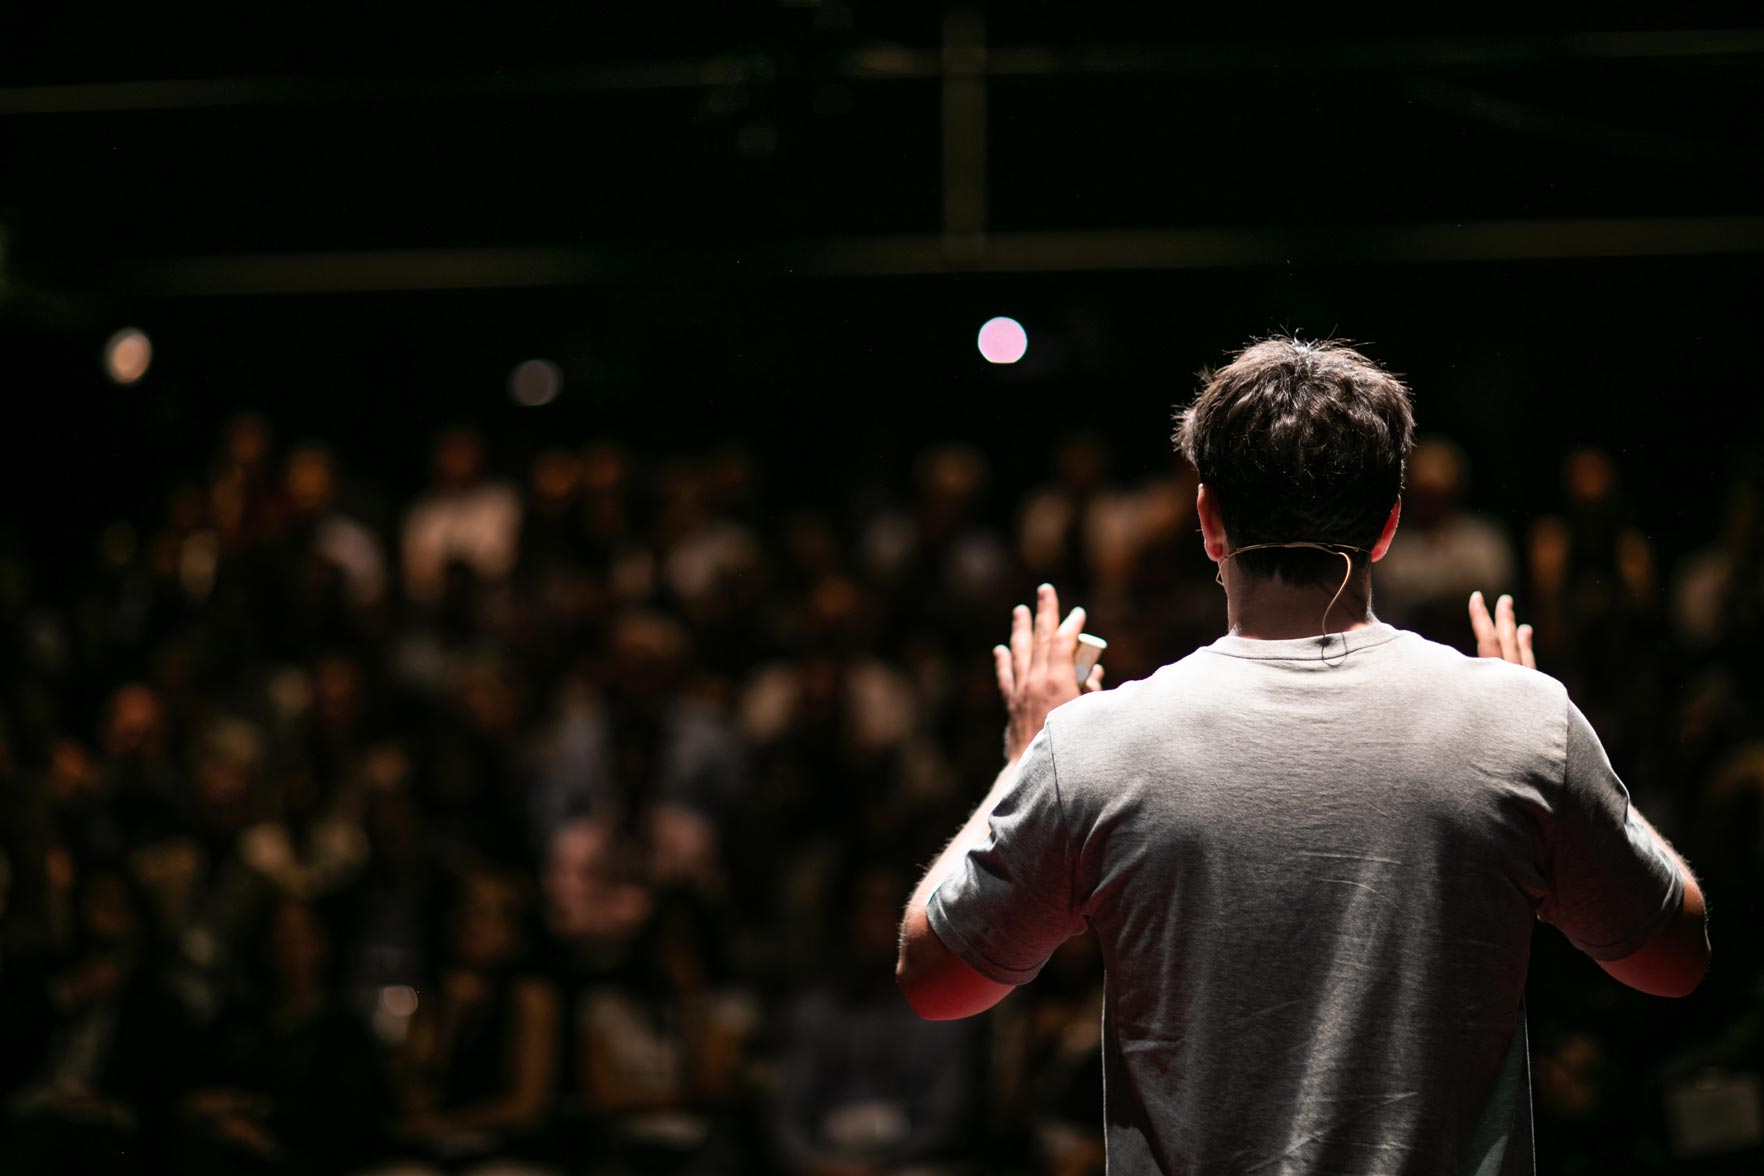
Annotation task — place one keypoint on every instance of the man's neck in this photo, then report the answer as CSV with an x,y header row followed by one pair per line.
x,y
1269,609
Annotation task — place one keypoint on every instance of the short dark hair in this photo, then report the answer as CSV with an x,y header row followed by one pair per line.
x,y
1299,441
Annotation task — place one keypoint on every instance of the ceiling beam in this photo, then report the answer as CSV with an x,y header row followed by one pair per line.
x,y
882,63
1000,253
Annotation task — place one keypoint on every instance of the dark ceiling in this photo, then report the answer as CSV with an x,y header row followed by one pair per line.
x,y
725,126
762,220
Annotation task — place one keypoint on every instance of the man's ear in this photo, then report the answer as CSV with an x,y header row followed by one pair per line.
x,y
1389,532
1212,525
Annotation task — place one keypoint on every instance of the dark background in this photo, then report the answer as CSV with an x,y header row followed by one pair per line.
x,y
776,229
1550,228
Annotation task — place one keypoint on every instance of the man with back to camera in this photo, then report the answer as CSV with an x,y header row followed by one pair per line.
x,y
1314,850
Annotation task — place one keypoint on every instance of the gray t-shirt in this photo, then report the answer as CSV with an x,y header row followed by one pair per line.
x,y
1314,868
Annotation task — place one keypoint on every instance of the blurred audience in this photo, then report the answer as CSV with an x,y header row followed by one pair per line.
x,y
561,824
864,1086
662,1045
463,519
110,1044
290,1081
476,1072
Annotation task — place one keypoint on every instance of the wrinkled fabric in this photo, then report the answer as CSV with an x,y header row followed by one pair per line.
x,y
1314,867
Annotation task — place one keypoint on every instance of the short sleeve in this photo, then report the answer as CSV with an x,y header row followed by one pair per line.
x,y
1612,886
1010,901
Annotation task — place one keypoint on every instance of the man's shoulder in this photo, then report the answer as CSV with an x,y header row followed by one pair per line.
x,y
1443,666
1423,675
1107,717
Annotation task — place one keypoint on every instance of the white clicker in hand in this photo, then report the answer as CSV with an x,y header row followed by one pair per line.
x,y
1089,649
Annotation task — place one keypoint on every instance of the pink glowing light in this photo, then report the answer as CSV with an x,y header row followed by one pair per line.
x,y
1003,340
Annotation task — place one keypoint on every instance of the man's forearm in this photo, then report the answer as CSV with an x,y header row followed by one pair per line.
x,y
971,834
1674,961
1036,673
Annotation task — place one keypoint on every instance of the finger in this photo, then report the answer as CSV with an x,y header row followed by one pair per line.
x,y
1001,665
1020,644
1506,630
1062,653
1066,636
1481,624
1047,618
1094,683
1527,658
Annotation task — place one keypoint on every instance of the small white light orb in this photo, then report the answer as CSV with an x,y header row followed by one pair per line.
x,y
535,382
127,355
400,1000
1003,340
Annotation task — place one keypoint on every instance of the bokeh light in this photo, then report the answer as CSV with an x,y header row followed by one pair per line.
x,y
535,382
127,355
1003,340
399,999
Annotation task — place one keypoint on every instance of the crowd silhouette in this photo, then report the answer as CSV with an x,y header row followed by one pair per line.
x,y
560,823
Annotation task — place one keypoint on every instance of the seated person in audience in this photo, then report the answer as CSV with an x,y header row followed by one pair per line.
x,y
116,1049
478,1068
662,1047
864,1086
290,1082
463,516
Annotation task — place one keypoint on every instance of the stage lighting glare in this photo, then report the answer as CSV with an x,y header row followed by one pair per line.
x,y
535,382
127,355
1003,340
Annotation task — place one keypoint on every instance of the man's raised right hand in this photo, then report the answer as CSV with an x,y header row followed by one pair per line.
x,y
1036,671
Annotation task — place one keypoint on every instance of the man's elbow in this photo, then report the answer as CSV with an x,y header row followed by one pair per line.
x,y
920,988
1691,981
935,982
1678,979
1675,961
1692,942
914,990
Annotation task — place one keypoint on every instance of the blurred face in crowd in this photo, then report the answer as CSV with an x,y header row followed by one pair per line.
x,y
187,509
136,723
299,948
107,911
1081,464
603,468
247,444
336,691
553,479
951,480
488,700
645,653
602,472
224,788
811,545
1590,476
1435,482
389,811
311,480
71,773
874,920
729,479
486,928
683,492
595,887
459,456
